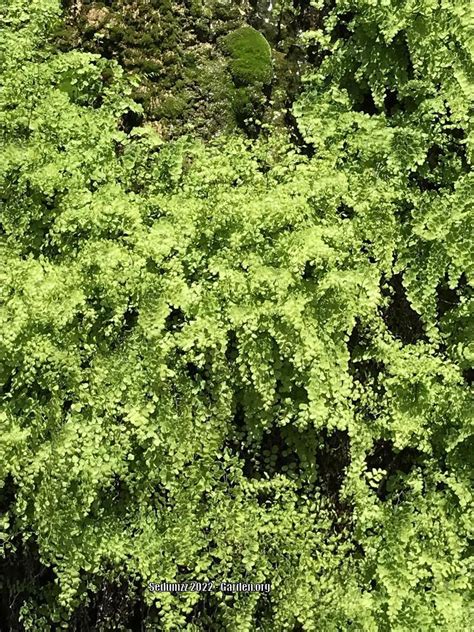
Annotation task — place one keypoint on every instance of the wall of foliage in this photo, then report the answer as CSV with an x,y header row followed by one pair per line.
x,y
240,360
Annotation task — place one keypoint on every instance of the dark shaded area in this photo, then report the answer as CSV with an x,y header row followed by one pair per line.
x,y
117,605
361,94
66,406
308,272
332,458
401,319
468,375
263,609
232,351
287,384
361,368
306,149
365,102
204,612
443,165
193,370
276,443
345,212
395,104
255,455
384,456
7,384
366,249
93,330
7,494
154,268
403,211
129,120
400,49
277,451
175,320
115,494
391,103
342,30
448,298
19,393
22,576
367,370
423,183
130,319
118,149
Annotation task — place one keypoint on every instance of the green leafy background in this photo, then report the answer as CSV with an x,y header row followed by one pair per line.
x,y
240,359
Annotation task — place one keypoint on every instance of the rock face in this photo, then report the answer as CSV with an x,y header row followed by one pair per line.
x,y
205,66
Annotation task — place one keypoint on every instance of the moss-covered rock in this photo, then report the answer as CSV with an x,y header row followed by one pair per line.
x,y
204,67
250,56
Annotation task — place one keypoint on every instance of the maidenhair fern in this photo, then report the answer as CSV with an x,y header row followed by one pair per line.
x,y
237,360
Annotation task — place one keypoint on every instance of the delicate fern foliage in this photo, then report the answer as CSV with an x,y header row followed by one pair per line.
x,y
232,361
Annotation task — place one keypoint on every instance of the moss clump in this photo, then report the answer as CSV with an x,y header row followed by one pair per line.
x,y
171,107
251,56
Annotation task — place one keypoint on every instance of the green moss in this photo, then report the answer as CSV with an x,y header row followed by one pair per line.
x,y
150,67
171,47
251,57
242,101
171,107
